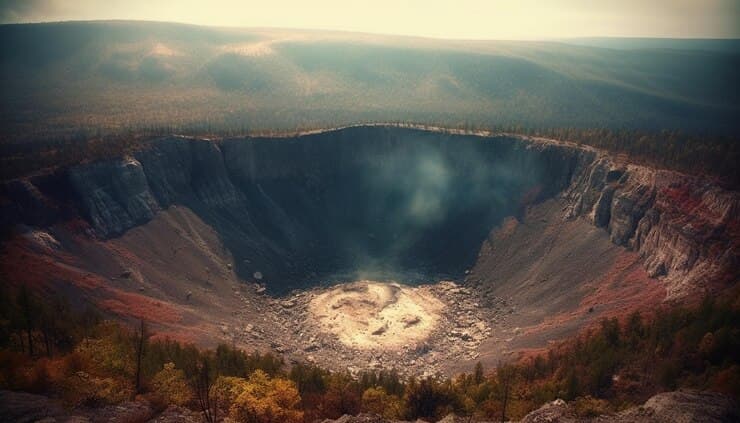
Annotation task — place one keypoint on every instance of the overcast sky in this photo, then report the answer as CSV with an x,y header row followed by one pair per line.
x,y
474,19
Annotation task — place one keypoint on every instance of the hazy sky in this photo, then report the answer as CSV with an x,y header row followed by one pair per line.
x,y
479,19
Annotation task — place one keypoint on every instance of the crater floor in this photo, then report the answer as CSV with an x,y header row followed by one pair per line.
x,y
370,325
375,315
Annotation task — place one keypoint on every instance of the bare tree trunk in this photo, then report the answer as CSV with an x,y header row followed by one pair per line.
x,y
47,342
24,300
505,403
207,399
30,342
139,355
505,377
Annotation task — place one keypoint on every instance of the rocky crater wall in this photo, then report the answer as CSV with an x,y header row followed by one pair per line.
x,y
388,202
686,229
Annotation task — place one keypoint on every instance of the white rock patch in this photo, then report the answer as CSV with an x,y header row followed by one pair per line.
x,y
374,315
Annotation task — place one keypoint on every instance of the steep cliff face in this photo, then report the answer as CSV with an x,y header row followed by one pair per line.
x,y
686,229
115,196
384,201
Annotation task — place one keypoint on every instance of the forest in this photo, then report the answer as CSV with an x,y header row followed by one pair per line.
x,y
713,156
75,355
75,91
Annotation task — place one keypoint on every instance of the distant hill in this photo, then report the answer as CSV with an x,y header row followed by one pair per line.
x,y
58,78
724,45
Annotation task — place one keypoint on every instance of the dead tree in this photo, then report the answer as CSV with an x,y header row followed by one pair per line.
x,y
504,376
140,343
203,385
25,303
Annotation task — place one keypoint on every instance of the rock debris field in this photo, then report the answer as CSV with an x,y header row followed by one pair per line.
x,y
369,325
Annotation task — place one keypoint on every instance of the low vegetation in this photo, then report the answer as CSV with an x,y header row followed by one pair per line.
x,y
49,348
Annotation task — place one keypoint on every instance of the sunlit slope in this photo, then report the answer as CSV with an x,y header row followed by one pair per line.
x,y
58,78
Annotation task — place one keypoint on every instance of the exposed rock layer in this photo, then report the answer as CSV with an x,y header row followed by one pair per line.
x,y
311,207
685,228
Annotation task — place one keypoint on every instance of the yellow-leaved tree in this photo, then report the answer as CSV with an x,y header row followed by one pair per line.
x,y
228,389
376,401
265,400
171,384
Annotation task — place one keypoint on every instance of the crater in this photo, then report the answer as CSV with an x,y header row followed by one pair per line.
x,y
410,248
361,203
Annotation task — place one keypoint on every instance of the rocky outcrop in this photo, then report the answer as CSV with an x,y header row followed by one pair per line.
x,y
372,418
24,407
686,228
21,407
115,195
668,407
176,414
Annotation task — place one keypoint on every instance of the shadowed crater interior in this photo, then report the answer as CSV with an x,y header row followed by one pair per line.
x,y
370,202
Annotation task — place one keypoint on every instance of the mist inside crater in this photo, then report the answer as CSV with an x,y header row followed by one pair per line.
x,y
363,203
373,203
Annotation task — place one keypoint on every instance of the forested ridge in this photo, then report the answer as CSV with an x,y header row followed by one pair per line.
x,y
76,91
698,154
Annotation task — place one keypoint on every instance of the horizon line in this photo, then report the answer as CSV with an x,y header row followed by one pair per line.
x,y
387,34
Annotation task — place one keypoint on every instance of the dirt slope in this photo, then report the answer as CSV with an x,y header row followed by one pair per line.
x,y
556,276
172,272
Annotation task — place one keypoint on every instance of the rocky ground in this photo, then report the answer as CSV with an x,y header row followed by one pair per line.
x,y
377,315
21,407
459,329
668,407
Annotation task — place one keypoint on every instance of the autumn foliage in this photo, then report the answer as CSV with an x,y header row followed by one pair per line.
x,y
86,361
